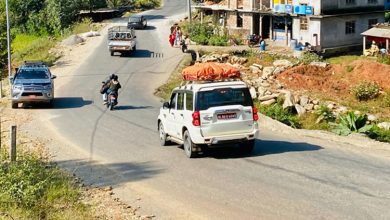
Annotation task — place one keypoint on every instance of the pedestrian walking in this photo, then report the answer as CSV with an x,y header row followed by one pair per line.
x,y
171,39
178,36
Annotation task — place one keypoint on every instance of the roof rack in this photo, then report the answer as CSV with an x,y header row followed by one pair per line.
x,y
34,63
191,82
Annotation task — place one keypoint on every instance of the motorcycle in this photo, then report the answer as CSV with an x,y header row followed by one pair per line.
x,y
112,100
253,40
183,46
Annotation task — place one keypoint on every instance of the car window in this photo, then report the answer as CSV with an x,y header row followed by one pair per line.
x,y
134,19
189,102
32,74
223,97
180,101
172,104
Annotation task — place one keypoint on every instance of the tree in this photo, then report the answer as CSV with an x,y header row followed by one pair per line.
x,y
3,36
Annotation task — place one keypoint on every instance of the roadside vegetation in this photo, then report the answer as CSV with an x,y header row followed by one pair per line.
x,y
34,188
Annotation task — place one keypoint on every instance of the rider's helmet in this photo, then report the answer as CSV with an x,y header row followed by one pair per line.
x,y
115,77
112,76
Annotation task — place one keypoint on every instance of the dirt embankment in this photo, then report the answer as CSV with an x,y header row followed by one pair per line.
x,y
336,80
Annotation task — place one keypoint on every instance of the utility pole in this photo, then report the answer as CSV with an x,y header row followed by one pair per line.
x,y
189,11
8,47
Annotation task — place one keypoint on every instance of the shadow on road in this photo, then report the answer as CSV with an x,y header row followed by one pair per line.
x,y
70,102
139,53
154,17
262,148
113,174
131,107
147,28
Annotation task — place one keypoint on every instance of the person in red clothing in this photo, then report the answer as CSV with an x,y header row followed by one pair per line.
x,y
172,39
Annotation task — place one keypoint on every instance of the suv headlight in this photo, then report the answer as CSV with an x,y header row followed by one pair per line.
x,y
17,88
47,87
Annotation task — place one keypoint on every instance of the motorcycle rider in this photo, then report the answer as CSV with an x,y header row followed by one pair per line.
x,y
106,86
114,87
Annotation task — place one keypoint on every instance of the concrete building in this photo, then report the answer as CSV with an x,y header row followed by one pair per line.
x,y
323,24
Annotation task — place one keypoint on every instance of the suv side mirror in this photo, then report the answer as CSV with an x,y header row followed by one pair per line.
x,y
166,105
53,76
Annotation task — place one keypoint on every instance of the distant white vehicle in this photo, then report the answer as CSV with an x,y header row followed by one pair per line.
x,y
121,39
209,114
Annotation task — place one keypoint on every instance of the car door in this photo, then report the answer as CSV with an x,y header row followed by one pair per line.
x,y
179,114
170,116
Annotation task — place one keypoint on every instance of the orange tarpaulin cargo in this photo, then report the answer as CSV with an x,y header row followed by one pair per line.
x,y
210,71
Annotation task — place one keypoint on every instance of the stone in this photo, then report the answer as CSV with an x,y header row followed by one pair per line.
x,y
261,91
242,60
384,125
300,110
277,71
282,63
331,106
342,109
268,92
225,55
309,107
252,91
267,97
268,102
255,69
304,100
288,100
372,118
357,113
265,84
268,71
320,64
316,107
279,86
258,66
316,102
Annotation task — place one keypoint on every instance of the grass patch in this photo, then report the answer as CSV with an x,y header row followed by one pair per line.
x,y
309,121
85,25
342,59
34,188
174,80
276,111
29,47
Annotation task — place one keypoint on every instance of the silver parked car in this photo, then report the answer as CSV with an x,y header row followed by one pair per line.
x,y
32,83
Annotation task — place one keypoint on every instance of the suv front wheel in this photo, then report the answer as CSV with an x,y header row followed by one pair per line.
x,y
14,105
191,150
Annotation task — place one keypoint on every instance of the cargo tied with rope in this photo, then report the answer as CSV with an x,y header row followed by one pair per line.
x,y
210,71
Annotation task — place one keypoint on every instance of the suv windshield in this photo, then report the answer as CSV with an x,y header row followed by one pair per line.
x,y
223,97
32,74
134,19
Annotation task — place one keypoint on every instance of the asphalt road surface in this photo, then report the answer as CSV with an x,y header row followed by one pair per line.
x,y
284,178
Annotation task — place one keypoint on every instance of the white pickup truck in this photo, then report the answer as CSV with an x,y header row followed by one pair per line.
x,y
121,39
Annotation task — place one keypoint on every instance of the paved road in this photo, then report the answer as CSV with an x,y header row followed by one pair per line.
x,y
285,177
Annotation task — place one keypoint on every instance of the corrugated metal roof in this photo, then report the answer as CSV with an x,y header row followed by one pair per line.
x,y
377,32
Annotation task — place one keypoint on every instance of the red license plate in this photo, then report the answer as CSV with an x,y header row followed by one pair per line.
x,y
32,96
227,116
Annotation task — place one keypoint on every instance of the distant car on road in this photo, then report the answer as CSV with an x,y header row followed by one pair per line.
x,y
137,22
121,39
32,83
209,114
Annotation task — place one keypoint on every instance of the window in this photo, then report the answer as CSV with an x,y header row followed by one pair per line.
x,y
350,2
372,22
350,27
32,74
304,23
372,1
189,102
173,101
223,97
239,20
180,101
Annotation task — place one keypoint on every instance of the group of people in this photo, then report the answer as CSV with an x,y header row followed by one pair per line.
x,y
176,36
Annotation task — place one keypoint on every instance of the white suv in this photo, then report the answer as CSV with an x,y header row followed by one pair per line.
x,y
208,114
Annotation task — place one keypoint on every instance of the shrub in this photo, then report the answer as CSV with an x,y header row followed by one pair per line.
x,y
310,121
146,4
385,59
308,57
216,40
379,134
276,111
386,100
366,90
325,114
351,122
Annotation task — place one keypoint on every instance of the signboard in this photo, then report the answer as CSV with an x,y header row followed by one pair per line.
x,y
293,9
